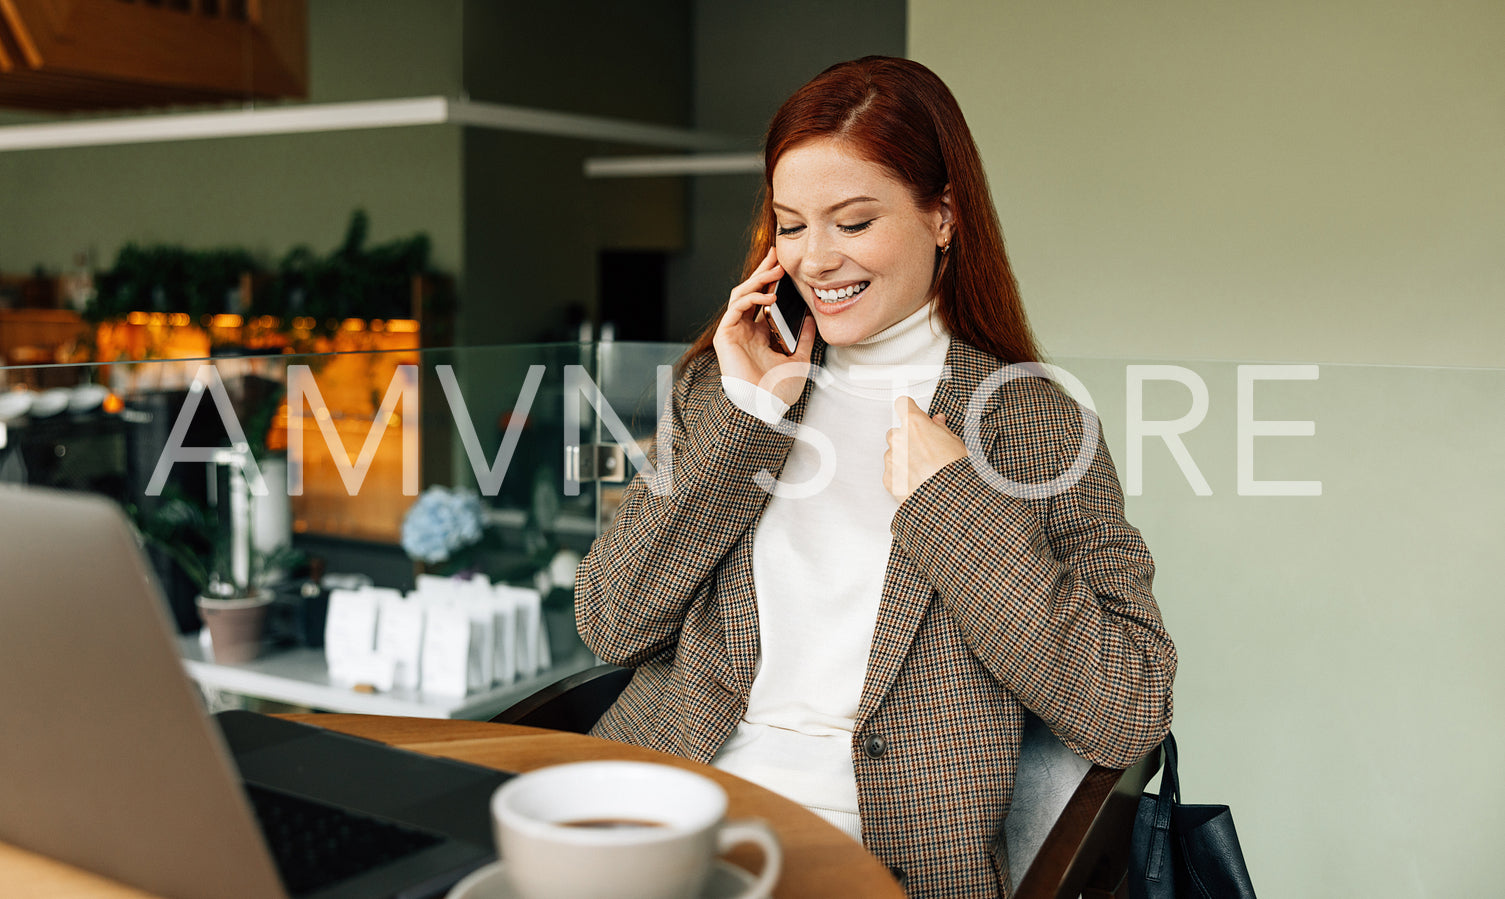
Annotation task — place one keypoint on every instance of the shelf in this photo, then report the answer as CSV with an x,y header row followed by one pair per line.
x,y
300,677
362,114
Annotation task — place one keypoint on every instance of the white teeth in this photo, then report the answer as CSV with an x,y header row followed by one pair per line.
x,y
831,296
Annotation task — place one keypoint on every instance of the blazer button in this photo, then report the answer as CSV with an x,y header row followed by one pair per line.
x,y
875,745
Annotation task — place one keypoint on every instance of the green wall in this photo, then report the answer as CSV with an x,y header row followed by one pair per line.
x,y
266,194
1289,182
1338,685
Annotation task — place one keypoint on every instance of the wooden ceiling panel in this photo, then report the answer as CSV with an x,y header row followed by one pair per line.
x,y
60,93
108,54
10,51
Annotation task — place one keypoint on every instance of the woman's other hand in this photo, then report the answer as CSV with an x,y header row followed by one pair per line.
x,y
918,448
742,343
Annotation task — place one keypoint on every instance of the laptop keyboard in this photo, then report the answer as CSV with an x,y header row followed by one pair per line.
x,y
315,845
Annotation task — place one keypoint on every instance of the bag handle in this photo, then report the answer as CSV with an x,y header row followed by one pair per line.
x,y
1170,796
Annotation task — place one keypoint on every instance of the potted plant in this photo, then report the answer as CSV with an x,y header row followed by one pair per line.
x,y
230,574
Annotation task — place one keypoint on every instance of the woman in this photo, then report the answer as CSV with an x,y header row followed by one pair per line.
x,y
835,599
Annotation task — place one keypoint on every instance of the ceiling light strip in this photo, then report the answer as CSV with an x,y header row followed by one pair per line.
x,y
663,166
563,124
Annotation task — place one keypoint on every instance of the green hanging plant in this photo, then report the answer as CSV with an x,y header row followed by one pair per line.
x,y
352,281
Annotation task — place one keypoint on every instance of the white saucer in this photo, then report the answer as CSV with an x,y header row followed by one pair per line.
x,y
14,404
87,397
490,882
50,402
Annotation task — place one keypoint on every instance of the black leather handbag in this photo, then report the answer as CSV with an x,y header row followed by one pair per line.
x,y
1181,851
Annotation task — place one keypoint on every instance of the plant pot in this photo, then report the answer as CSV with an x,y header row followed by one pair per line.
x,y
235,626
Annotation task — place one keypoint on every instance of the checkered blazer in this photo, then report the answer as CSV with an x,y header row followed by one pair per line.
x,y
994,601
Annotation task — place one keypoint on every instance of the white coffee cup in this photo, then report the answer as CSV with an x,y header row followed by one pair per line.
x,y
629,830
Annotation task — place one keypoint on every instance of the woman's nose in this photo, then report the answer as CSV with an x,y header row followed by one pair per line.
x,y
820,257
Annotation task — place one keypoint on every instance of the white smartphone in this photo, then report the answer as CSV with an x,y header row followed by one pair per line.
x,y
786,317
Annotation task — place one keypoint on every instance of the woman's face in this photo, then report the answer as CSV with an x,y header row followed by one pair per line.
x,y
859,249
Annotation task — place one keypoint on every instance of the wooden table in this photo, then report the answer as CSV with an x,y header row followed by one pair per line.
x,y
819,860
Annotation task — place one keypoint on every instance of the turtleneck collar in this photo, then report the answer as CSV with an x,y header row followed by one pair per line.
x,y
919,339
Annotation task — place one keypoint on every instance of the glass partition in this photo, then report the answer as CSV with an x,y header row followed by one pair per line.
x,y
323,466
635,380
345,441
1325,535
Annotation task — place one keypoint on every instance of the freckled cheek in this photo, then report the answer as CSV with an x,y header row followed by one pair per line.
x,y
878,256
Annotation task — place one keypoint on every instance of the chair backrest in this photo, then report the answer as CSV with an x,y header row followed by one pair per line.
x,y
573,704
1067,830
1048,777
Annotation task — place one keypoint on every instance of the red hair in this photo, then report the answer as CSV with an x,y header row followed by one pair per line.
x,y
897,114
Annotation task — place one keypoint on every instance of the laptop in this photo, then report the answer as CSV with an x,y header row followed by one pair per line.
x,y
108,762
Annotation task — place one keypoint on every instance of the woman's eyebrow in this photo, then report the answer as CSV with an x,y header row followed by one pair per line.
x,y
842,204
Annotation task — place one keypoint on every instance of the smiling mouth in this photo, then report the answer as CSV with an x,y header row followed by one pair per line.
x,y
841,294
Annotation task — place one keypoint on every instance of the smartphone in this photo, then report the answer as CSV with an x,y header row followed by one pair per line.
x,y
786,317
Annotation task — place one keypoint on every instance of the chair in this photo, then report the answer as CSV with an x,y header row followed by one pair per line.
x,y
572,704
1067,832
1068,828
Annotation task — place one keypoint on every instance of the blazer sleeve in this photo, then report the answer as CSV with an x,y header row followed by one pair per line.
x,y
633,588
1052,593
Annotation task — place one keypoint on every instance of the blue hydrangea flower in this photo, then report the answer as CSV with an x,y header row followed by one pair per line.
x,y
442,522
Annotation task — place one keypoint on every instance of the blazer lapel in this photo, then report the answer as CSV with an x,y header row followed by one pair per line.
x,y
906,593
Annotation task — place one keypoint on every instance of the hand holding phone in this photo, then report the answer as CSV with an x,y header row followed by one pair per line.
x,y
745,342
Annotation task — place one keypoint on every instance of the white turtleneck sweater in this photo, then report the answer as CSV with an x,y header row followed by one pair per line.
x,y
819,556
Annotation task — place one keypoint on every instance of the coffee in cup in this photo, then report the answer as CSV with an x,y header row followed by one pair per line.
x,y
630,830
